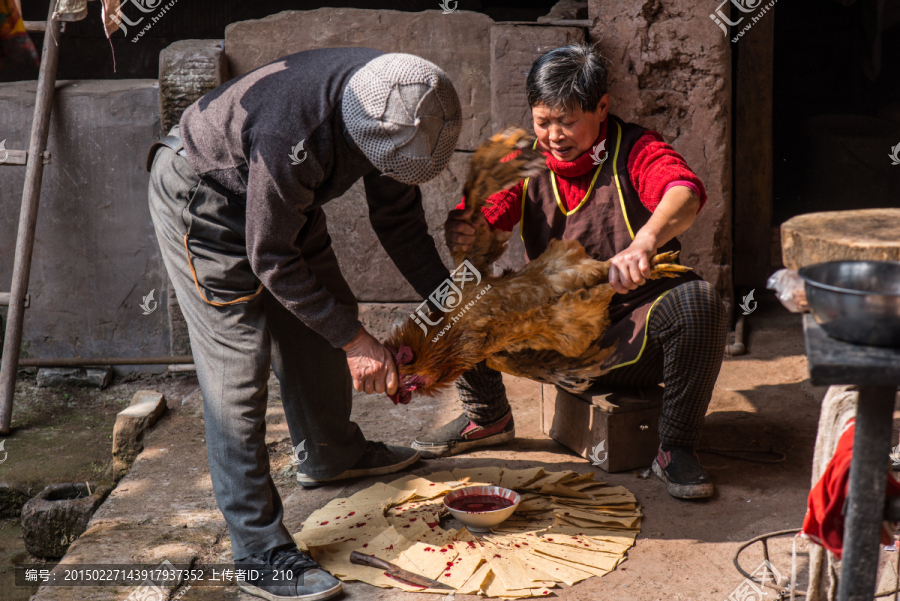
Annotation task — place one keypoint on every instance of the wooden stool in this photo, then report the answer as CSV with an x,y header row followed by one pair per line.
x,y
617,429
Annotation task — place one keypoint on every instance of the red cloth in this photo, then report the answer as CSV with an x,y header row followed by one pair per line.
x,y
824,524
654,167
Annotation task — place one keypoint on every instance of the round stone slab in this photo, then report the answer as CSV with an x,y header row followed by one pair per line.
x,y
859,235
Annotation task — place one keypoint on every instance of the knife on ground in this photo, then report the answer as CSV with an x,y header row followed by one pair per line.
x,y
361,559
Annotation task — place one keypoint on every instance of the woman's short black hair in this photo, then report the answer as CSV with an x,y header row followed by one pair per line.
x,y
566,77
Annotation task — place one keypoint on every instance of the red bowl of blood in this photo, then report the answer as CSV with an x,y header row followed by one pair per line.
x,y
482,507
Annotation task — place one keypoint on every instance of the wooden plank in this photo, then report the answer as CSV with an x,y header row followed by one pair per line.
x,y
31,194
753,155
836,362
4,299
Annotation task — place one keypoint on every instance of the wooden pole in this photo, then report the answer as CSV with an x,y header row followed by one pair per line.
x,y
89,361
34,170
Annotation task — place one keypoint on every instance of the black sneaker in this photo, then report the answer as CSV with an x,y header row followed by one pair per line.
x,y
680,469
286,573
463,435
379,459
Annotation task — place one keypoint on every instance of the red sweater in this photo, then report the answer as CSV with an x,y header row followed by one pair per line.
x,y
654,167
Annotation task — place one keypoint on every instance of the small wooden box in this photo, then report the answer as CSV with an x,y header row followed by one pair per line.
x,y
617,426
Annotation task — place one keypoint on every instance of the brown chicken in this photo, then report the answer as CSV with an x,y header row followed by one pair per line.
x,y
542,322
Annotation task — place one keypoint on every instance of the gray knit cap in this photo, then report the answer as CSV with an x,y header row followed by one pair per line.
x,y
403,113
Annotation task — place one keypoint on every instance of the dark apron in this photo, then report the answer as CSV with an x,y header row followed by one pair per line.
x,y
605,225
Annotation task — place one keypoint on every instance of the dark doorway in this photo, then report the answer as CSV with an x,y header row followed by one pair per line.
x,y
836,116
817,118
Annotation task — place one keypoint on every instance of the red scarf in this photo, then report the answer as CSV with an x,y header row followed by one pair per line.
x,y
574,177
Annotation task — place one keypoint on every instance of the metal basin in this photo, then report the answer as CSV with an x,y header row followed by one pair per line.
x,y
856,301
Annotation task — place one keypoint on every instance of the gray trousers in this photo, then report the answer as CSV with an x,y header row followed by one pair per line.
x,y
238,331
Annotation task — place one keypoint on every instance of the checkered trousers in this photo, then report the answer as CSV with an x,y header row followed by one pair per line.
x,y
684,350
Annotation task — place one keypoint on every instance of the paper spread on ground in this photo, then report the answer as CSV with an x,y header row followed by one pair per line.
x,y
568,528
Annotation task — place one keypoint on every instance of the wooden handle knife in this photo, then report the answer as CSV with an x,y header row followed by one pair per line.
x,y
361,559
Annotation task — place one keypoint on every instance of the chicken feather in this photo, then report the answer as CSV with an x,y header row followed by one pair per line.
x,y
498,164
543,321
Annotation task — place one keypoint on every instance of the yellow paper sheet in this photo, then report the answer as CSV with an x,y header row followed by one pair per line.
x,y
512,573
576,555
422,487
485,475
519,479
567,528
467,561
493,587
380,494
608,522
551,561
561,490
563,573
425,559
475,583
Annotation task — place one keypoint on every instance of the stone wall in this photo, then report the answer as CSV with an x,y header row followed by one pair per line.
x,y
671,72
187,70
95,252
459,43
513,49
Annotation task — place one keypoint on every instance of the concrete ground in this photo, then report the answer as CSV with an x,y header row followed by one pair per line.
x,y
164,508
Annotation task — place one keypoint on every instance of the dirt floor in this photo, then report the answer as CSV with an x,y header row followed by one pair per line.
x,y
164,508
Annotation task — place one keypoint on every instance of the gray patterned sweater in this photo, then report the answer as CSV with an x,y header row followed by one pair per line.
x,y
240,136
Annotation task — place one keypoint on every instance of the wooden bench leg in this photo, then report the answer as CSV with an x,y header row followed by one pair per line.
x,y
865,502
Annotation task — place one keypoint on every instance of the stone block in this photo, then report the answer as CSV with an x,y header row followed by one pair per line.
x,y
457,42
365,264
513,49
95,252
97,377
131,424
671,73
58,515
566,9
188,69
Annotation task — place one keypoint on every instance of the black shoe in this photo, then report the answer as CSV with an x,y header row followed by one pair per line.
x,y
680,469
286,573
462,435
378,459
